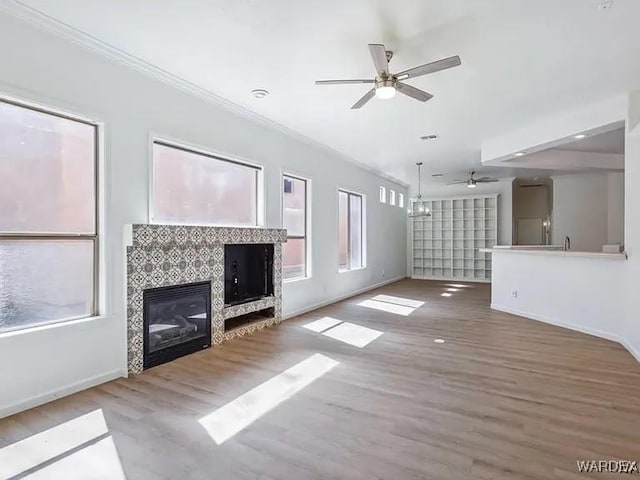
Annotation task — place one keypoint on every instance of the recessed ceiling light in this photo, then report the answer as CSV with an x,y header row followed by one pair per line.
x,y
519,154
437,174
579,136
259,92
429,137
439,340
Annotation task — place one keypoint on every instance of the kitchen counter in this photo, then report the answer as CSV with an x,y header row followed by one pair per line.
x,y
551,250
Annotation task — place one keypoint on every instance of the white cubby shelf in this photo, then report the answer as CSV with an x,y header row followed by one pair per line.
x,y
446,245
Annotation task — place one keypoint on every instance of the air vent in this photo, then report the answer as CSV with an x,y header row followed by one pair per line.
x,y
429,137
437,174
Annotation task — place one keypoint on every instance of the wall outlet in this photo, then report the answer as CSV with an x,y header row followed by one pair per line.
x,y
514,293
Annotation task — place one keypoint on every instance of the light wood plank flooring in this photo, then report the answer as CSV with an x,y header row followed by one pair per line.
x,y
503,398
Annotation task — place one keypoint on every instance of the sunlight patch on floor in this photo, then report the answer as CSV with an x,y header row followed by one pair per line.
x,y
446,294
238,414
353,334
323,324
96,461
387,307
72,449
407,302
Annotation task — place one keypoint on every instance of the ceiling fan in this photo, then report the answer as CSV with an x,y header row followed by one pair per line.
x,y
472,182
386,84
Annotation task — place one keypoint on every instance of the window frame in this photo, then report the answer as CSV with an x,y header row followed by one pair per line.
x,y
223,157
363,234
97,305
382,194
307,223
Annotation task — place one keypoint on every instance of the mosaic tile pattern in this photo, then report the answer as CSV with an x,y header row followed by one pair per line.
x,y
249,307
164,255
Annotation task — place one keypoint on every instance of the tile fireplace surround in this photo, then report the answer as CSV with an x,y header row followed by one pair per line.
x,y
164,255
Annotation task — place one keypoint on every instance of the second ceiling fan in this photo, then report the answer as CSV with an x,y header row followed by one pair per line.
x,y
386,84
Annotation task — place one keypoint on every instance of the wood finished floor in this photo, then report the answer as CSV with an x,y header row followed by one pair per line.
x,y
503,398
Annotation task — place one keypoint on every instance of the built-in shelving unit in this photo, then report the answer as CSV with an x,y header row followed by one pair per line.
x,y
447,244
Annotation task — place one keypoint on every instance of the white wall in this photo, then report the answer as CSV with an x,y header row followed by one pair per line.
x,y
575,292
46,69
580,211
631,274
587,208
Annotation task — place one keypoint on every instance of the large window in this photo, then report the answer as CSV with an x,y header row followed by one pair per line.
x,y
48,217
351,230
200,189
295,220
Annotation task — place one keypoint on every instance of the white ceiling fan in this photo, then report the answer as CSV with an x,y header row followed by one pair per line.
x,y
386,84
472,182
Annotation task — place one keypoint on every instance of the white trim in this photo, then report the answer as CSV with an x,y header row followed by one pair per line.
x,y
571,326
210,153
451,279
307,218
47,23
52,395
341,298
363,215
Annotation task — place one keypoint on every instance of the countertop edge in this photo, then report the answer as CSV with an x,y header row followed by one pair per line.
x,y
557,253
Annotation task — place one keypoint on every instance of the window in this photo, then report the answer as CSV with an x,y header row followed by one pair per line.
x,y
351,230
200,189
392,197
383,195
48,217
401,200
295,220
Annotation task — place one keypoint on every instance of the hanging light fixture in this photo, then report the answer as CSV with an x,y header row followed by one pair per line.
x,y
418,210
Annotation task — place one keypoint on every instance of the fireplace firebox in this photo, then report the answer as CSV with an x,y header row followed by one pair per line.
x,y
177,321
248,272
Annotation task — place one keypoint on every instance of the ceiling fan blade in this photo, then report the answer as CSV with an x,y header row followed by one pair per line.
x,y
430,68
379,56
413,92
343,82
486,180
368,96
457,182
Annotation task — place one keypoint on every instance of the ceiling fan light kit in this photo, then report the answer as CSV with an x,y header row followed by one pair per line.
x,y
473,182
386,84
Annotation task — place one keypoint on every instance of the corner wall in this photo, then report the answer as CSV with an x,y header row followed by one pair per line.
x,y
631,278
39,365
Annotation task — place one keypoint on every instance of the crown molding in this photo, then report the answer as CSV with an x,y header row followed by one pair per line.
x,y
40,20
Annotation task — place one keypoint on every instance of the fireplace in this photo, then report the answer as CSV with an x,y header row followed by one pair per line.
x,y
248,272
177,321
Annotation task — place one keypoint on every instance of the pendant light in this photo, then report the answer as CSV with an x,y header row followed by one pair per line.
x,y
418,210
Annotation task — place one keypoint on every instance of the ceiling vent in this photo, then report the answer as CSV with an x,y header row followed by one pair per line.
x,y
429,137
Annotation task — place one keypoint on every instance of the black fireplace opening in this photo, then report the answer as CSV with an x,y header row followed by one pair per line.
x,y
177,321
248,272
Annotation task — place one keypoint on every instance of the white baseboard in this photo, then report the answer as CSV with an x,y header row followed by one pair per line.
x,y
635,353
341,297
571,326
61,392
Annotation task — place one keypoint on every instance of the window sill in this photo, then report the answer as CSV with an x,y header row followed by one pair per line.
x,y
51,326
346,270
295,280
